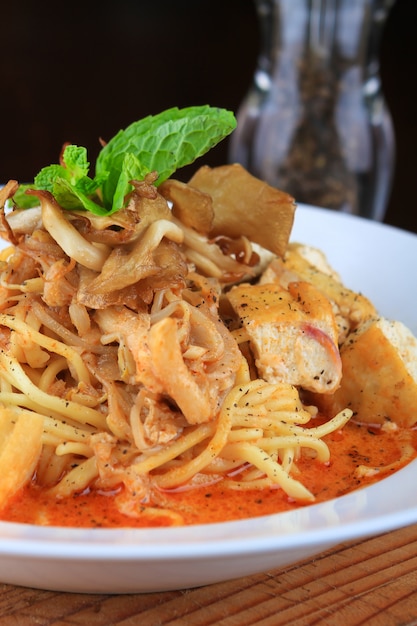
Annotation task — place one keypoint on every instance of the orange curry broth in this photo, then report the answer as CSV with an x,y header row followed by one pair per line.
x,y
353,446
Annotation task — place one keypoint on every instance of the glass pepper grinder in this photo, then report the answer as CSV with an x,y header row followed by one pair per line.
x,y
314,122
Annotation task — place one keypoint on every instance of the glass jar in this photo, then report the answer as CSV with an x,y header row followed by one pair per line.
x,y
314,122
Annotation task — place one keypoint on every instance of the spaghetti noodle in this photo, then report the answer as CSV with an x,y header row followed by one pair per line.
x,y
116,335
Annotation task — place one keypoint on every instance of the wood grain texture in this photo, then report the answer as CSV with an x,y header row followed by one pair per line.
x,y
370,583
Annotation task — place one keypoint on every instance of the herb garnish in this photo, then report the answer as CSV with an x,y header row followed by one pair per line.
x,y
163,143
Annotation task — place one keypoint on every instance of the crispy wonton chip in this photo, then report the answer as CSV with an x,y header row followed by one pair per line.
x,y
245,205
191,206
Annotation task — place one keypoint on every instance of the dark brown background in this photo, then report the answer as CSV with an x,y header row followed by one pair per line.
x,y
90,68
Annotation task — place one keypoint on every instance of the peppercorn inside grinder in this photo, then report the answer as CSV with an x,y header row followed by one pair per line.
x,y
314,122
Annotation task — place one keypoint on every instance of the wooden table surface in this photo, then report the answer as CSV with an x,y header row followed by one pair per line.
x,y
372,583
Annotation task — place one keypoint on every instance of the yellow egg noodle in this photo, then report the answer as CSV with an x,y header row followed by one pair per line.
x,y
125,364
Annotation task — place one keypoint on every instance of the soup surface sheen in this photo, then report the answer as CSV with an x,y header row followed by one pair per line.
x,y
354,446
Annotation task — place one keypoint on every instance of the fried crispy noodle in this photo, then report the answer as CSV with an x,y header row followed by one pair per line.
x,y
120,357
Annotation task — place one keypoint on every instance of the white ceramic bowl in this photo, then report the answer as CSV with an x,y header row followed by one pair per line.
x,y
381,262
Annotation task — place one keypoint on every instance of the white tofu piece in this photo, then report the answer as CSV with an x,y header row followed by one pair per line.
x,y
379,381
292,334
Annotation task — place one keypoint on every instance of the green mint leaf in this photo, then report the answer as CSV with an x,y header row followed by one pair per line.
x,y
131,169
89,186
72,197
69,183
21,200
164,142
48,175
76,163
76,167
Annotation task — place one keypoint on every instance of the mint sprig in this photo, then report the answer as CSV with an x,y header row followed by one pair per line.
x,y
163,143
